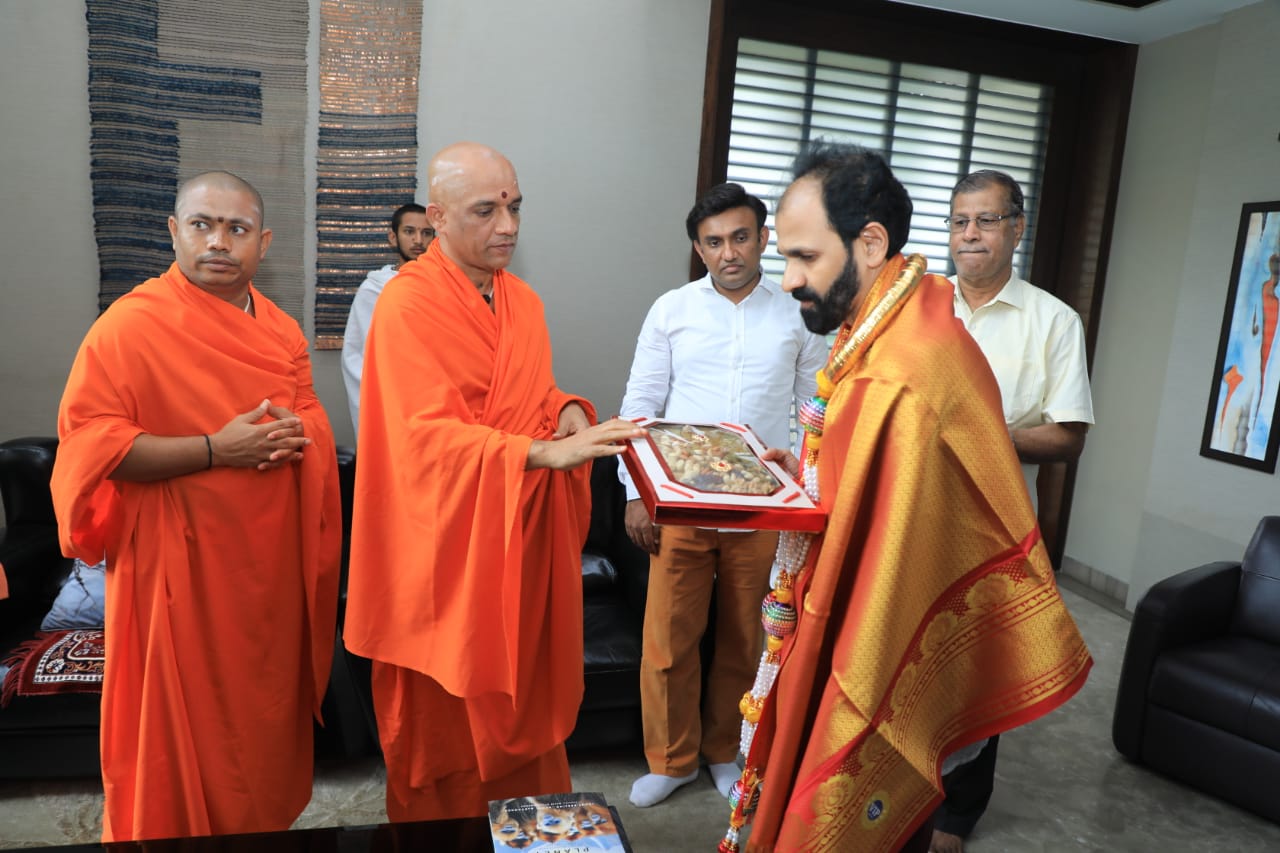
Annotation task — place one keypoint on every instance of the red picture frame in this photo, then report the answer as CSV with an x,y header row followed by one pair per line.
x,y
713,475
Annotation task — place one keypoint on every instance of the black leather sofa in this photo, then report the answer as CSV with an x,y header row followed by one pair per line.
x,y
57,736
40,736
1199,695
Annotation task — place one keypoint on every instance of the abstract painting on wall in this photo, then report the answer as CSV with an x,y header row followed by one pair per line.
x,y
1239,424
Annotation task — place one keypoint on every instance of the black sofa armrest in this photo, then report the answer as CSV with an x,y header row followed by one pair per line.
x,y
607,499
632,563
26,464
346,489
1189,607
608,534
33,563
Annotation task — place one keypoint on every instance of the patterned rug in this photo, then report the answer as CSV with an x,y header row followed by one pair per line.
x,y
177,87
367,161
68,661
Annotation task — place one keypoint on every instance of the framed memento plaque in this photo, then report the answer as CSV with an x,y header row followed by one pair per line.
x,y
713,475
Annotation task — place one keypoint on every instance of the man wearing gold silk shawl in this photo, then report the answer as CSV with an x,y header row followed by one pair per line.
x,y
925,617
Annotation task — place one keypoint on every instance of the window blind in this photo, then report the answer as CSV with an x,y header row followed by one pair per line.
x,y
933,124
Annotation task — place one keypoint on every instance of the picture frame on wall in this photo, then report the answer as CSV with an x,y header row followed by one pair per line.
x,y
1240,422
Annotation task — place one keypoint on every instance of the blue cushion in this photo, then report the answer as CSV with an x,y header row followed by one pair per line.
x,y
80,602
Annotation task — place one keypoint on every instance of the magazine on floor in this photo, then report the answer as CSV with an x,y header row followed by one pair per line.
x,y
557,823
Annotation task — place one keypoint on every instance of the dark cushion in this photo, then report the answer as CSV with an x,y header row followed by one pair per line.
x,y
56,711
347,489
34,567
1229,682
1264,714
598,574
607,499
24,488
1215,761
612,634
1258,604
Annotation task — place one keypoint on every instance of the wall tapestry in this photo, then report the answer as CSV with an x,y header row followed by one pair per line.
x,y
1240,423
177,87
368,147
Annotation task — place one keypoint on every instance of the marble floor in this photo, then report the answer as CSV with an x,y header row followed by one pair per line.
x,y
1060,786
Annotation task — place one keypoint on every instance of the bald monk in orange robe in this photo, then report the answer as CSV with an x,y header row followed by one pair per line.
x,y
471,509
195,454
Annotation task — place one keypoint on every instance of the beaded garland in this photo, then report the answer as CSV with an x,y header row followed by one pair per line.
x,y
778,613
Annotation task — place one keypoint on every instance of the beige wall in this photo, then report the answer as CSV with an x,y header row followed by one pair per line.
x,y
598,104
48,261
1202,141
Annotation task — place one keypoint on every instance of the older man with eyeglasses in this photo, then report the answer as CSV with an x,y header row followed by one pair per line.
x,y
1034,343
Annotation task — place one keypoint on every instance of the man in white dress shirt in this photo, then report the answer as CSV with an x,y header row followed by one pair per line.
x,y
1035,345
729,347
409,236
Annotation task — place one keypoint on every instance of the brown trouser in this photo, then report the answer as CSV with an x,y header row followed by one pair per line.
x,y
690,563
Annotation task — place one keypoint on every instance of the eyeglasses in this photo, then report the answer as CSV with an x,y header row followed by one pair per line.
x,y
986,222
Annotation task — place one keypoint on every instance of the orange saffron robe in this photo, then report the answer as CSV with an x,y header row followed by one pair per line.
x,y
465,579
221,586
929,618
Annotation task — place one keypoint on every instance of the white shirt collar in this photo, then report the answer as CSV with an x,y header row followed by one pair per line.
x,y
765,283
1013,294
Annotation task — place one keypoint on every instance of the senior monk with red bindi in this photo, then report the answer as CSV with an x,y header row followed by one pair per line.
x,y
471,508
195,454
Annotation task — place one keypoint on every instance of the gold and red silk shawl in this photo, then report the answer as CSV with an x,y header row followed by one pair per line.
x,y
930,617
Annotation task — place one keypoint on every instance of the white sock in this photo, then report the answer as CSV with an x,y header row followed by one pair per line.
x,y
724,775
652,788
